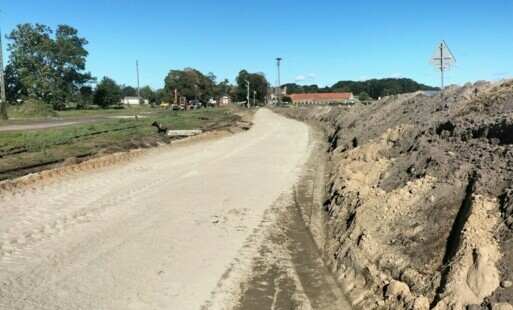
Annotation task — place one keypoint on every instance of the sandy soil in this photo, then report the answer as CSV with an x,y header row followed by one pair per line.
x,y
158,232
420,199
282,267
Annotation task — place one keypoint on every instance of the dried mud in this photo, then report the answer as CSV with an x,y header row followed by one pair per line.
x,y
420,198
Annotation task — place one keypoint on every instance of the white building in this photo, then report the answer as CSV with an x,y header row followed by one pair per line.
x,y
134,100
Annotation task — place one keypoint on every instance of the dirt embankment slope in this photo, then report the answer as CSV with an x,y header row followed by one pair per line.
x,y
420,198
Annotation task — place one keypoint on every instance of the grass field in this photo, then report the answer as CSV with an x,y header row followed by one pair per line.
x,y
25,151
37,110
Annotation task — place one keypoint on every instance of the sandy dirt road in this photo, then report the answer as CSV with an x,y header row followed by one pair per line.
x,y
158,232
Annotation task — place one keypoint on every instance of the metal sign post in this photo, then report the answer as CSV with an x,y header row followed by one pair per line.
x,y
442,59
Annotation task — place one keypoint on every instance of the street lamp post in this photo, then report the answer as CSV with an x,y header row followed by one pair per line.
x,y
279,85
247,96
3,103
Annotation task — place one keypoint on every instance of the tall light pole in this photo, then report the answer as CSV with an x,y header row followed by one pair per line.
x,y
3,107
279,85
138,89
247,96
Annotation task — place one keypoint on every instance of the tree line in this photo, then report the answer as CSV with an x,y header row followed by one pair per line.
x,y
373,88
44,65
49,66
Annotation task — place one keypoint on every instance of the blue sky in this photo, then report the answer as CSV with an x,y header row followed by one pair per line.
x,y
320,41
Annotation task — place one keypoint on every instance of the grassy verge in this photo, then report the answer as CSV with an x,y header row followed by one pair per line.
x,y
27,151
126,110
39,110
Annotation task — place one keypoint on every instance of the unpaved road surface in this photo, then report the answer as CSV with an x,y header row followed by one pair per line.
x,y
159,232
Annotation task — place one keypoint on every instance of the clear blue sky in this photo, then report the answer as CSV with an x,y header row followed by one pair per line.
x,y
320,41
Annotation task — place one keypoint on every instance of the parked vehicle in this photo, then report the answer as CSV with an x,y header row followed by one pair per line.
x,y
194,104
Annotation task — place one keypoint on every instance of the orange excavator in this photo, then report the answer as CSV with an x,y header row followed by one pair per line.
x,y
180,101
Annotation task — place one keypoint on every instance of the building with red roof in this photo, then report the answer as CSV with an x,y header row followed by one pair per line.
x,y
321,98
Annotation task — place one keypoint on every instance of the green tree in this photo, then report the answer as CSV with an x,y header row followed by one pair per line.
x,y
159,96
85,97
223,88
13,88
257,81
189,83
107,93
293,88
3,110
48,68
128,91
286,99
148,93
381,87
363,96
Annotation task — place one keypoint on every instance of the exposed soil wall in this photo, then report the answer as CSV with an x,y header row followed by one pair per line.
x,y
419,198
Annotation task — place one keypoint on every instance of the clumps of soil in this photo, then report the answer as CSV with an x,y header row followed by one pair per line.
x,y
137,142
70,161
419,197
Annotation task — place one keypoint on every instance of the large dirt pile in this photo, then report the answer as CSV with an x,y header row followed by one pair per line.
x,y
420,198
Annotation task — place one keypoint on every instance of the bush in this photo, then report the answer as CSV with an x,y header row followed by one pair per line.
x,y
3,111
286,99
32,108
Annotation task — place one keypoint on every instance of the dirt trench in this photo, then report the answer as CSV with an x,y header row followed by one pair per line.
x,y
418,205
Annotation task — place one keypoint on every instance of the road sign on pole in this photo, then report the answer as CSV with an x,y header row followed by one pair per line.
x,y
442,59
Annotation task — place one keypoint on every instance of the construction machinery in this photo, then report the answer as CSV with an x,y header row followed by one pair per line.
x,y
179,102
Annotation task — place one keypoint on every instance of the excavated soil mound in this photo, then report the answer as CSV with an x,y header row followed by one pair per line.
x,y
420,198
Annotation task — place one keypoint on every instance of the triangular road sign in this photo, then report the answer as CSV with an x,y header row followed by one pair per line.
x,y
442,56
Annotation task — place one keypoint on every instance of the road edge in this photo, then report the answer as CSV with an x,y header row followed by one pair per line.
x,y
65,169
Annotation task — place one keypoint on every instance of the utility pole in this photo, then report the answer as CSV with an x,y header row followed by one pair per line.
x,y
3,107
138,89
247,96
279,85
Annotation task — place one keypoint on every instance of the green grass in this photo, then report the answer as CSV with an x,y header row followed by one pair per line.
x,y
22,149
34,109
31,109
127,110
